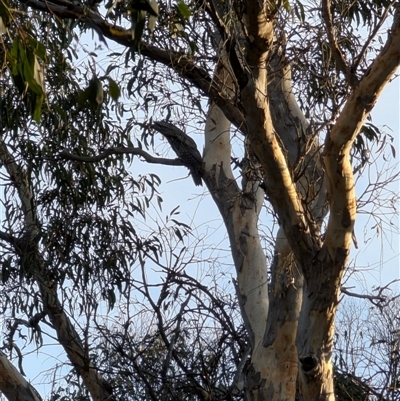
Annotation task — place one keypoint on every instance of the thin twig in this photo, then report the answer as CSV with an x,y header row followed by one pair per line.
x,y
370,38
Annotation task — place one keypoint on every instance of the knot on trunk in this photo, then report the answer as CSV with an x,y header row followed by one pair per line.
x,y
311,366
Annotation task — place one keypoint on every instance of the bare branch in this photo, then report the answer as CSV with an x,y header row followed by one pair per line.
x,y
162,332
176,335
379,298
118,151
380,289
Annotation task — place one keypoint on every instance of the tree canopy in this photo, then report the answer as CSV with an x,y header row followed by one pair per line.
x,y
281,94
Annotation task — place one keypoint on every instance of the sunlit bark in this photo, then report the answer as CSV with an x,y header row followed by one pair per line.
x,y
323,276
240,209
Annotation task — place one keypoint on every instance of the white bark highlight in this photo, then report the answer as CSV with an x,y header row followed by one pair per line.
x,y
217,149
13,385
240,211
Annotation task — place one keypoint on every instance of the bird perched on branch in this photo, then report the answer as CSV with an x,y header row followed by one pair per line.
x,y
184,147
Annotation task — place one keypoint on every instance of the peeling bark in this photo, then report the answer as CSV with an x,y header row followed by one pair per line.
x,y
275,359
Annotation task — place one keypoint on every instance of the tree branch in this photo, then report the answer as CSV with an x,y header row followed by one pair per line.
x,y
118,151
228,39
379,298
19,179
337,53
13,385
178,61
371,37
340,140
68,337
8,238
66,333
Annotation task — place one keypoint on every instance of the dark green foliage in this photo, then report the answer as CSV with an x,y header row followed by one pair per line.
x,y
348,388
85,212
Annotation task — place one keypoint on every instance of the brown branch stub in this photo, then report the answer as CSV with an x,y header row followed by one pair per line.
x,y
337,53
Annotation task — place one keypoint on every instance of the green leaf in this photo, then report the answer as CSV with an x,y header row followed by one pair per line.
x,y
112,67
193,47
19,56
178,234
183,10
38,48
113,89
286,5
130,85
98,31
300,13
111,298
138,20
37,83
32,72
37,113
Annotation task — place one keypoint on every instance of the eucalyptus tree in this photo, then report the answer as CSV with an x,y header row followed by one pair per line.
x,y
290,84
